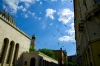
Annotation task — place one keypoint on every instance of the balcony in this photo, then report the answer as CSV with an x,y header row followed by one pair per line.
x,y
93,10
81,27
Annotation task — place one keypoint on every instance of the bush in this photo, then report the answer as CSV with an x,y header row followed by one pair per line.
x,y
70,64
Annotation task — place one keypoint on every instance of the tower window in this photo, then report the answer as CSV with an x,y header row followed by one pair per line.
x,y
25,63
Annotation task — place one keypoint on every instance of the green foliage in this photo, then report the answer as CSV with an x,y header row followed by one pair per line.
x,y
31,49
48,52
70,64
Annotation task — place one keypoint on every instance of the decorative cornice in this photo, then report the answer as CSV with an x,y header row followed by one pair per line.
x,y
92,10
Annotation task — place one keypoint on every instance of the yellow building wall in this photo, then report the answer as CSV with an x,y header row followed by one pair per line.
x,y
60,55
95,46
57,54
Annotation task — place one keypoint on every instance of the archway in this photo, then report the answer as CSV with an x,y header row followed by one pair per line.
x,y
32,62
4,50
11,48
15,54
40,62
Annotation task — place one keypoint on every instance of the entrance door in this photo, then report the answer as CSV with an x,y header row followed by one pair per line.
x,y
32,62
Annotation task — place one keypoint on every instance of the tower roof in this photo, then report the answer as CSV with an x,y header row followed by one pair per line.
x,y
33,37
8,17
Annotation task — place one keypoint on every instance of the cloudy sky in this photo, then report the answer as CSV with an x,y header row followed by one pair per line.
x,y
52,21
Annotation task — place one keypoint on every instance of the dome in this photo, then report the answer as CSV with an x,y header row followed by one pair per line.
x,y
8,17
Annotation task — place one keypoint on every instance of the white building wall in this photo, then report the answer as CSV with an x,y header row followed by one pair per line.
x,y
37,55
7,31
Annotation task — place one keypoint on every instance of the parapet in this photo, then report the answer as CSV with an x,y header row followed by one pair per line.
x,y
10,21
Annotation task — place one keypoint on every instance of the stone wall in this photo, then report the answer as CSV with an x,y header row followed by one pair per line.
x,y
13,33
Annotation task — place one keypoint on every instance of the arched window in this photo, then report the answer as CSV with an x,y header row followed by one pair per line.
x,y
43,63
15,54
11,48
32,62
40,62
4,50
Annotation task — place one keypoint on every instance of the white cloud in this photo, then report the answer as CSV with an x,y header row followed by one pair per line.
x,y
37,0
71,36
29,1
50,12
66,38
39,18
40,2
32,13
35,17
29,12
71,31
26,16
65,15
27,4
20,7
63,0
53,0
57,26
13,5
40,12
4,7
51,24
43,26
24,9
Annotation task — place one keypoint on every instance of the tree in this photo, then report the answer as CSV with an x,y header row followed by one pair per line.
x,y
48,52
70,64
31,49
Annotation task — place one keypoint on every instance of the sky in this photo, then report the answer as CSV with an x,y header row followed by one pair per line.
x,y
51,21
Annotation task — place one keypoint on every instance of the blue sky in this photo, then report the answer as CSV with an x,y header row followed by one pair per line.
x,y
52,21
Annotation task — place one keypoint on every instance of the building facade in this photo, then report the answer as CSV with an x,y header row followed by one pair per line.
x,y
37,59
87,31
61,56
13,41
72,58
15,44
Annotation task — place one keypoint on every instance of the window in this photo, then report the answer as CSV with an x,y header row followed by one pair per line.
x,y
25,63
40,62
88,52
84,3
16,53
4,50
91,64
10,52
96,1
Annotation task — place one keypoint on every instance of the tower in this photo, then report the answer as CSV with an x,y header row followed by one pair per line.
x,y
33,41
